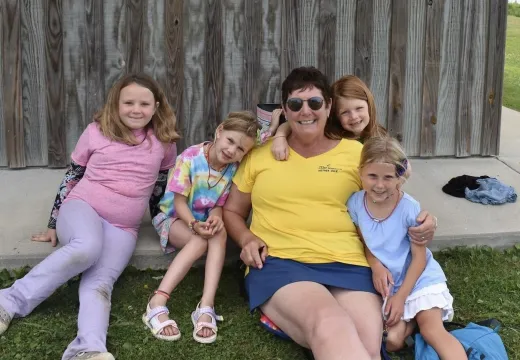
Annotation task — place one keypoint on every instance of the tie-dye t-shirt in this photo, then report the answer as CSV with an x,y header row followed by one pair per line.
x,y
190,178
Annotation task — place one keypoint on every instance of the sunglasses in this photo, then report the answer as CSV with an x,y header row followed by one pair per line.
x,y
296,104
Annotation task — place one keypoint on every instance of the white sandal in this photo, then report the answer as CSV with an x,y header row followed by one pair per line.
x,y
205,310
151,319
5,320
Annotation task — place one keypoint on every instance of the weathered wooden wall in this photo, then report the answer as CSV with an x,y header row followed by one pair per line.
x,y
435,66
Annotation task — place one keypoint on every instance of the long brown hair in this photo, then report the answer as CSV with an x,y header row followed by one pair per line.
x,y
350,86
163,120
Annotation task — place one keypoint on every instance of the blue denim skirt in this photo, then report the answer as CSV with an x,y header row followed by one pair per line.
x,y
276,273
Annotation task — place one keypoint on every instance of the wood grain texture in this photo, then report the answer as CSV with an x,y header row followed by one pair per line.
x,y
34,106
194,25
270,83
75,64
327,38
414,76
234,35
214,68
12,83
494,77
398,38
447,107
56,130
252,49
432,60
95,67
174,62
363,40
115,41
345,37
290,37
308,30
135,12
3,148
153,40
382,20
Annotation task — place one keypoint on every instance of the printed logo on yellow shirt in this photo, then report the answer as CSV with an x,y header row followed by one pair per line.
x,y
328,168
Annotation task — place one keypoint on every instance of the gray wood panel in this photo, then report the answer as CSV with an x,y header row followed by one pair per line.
x,y
115,41
308,30
34,106
135,35
3,143
363,40
290,37
432,60
194,28
12,83
55,95
174,61
95,67
345,37
449,79
494,77
327,37
153,41
414,77
380,57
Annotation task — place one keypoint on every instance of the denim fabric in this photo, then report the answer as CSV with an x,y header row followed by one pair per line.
x,y
491,191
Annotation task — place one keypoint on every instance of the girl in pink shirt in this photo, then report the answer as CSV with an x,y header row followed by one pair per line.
x,y
118,168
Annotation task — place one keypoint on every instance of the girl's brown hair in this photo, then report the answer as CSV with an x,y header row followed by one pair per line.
x,y
163,120
385,149
352,87
242,121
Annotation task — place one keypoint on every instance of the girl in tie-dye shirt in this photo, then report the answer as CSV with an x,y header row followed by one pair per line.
x,y
190,218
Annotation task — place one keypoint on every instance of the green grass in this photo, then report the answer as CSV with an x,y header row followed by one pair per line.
x,y
485,283
511,97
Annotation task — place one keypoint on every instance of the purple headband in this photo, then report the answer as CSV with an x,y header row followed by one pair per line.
x,y
401,168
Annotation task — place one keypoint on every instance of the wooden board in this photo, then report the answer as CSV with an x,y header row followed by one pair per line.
x,y
3,143
135,32
345,37
363,40
327,39
290,37
115,41
12,83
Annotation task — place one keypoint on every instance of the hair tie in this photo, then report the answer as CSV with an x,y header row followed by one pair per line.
x,y
401,168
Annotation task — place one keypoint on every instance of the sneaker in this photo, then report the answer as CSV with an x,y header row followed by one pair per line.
x,y
5,320
93,355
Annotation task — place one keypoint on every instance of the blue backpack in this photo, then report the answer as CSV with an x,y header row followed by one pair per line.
x,y
480,340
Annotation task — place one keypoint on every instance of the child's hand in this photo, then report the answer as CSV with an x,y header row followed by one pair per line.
x,y
215,224
280,148
50,235
382,279
394,310
203,229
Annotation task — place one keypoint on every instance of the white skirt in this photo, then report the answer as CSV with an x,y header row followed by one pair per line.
x,y
433,296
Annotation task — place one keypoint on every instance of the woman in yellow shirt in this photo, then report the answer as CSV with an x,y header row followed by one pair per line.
x,y
307,268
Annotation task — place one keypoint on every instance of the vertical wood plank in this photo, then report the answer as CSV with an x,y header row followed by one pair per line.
x,y
56,131
234,35
464,118
307,27
363,40
135,26
3,149
494,77
432,61
290,37
213,70
153,41
194,70
115,42
74,71
414,76
447,107
252,48
398,38
12,83
95,59
34,106
345,37
380,57
174,62
270,85
327,39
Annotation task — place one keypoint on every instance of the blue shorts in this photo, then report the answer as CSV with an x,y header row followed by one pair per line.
x,y
276,273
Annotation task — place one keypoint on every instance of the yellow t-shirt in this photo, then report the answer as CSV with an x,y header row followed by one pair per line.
x,y
299,205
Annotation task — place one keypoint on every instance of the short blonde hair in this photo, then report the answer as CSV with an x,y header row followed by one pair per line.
x,y
387,150
242,121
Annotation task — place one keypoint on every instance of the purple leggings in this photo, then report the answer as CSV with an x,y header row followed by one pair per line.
x,y
90,245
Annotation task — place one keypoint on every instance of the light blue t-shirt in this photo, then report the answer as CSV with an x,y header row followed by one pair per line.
x,y
389,241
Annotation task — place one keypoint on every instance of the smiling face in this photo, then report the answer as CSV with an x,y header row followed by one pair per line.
x,y
137,105
380,181
231,146
353,114
307,122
